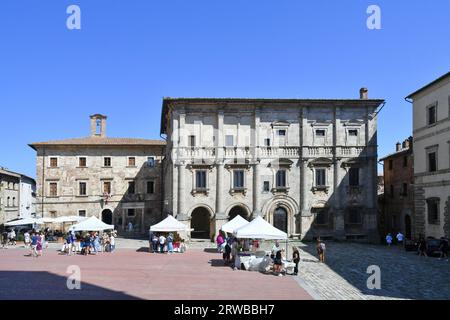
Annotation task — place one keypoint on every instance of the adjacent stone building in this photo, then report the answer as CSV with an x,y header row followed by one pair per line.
x,y
308,166
398,199
17,196
431,125
117,180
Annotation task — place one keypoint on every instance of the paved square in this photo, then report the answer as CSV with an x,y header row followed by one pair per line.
x,y
136,274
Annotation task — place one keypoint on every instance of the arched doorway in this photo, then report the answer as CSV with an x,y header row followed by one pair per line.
x,y
238,210
280,219
107,216
408,226
200,222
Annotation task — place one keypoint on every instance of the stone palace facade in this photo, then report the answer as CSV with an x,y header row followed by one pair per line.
x,y
307,166
117,180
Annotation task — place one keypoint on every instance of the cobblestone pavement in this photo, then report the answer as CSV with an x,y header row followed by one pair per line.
x,y
404,275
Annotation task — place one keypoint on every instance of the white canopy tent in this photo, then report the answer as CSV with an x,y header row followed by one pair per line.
x,y
170,224
259,229
234,224
45,220
92,224
65,219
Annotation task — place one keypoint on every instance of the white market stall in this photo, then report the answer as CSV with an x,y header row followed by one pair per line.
x,y
170,224
234,224
92,224
259,229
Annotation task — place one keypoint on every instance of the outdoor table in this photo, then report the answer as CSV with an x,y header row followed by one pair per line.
x,y
288,266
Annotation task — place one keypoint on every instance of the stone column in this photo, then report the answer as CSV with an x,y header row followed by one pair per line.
x,y
256,189
123,219
142,220
339,193
181,191
220,211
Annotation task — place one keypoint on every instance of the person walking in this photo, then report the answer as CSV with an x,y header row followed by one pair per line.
x,y
4,239
295,259
26,239
34,241
155,240
321,250
422,248
162,242
278,262
400,237
112,242
39,245
170,243
276,247
220,241
389,239
444,248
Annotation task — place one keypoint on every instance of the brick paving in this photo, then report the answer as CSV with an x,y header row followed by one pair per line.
x,y
137,274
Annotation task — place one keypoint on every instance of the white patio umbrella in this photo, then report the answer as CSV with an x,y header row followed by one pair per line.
x,y
44,220
21,222
92,224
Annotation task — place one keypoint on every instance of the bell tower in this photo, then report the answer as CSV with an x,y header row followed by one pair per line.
x,y
98,125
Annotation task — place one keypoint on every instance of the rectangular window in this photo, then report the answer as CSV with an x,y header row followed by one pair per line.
x,y
320,133
266,186
405,161
432,115
53,189
107,187
238,179
131,212
282,133
82,213
82,162
229,141
150,187
131,161
200,179
267,142
53,214
353,133
191,141
131,187
321,177
107,162
281,179
53,162
354,216
82,189
391,164
353,175
151,162
321,216
433,210
432,163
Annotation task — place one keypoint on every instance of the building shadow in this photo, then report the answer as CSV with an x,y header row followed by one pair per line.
x,y
144,249
40,285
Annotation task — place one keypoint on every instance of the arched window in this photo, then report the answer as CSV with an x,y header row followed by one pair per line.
x,y
8,202
14,202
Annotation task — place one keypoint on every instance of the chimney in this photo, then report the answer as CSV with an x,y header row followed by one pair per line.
x,y
398,146
98,125
406,144
364,94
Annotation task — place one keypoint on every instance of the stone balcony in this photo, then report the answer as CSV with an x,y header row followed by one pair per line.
x,y
213,153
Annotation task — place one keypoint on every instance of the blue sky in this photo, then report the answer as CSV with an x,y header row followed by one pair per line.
x,y
130,54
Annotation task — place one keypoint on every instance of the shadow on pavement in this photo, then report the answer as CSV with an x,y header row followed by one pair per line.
x,y
39,285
